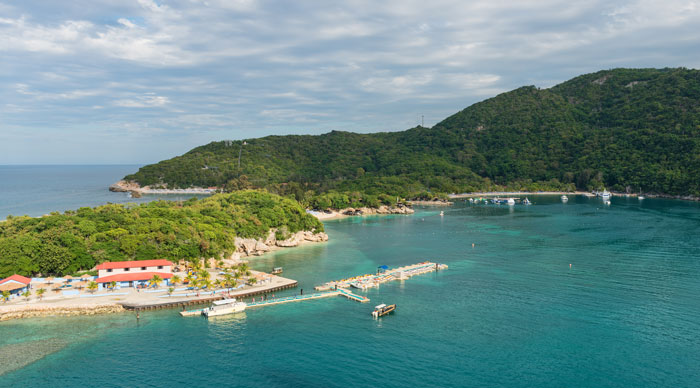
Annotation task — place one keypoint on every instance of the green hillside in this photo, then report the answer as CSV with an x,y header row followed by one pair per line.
x,y
77,240
625,129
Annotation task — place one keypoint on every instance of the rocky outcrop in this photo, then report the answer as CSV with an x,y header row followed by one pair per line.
x,y
124,186
253,247
33,311
380,210
302,237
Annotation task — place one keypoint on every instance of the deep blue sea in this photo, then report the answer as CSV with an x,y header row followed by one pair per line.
x,y
551,295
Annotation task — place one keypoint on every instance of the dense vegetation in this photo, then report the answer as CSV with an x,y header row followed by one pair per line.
x,y
78,240
624,129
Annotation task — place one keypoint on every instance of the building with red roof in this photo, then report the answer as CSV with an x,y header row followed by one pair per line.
x,y
15,284
133,273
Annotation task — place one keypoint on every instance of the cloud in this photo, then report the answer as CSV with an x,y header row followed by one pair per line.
x,y
191,67
149,101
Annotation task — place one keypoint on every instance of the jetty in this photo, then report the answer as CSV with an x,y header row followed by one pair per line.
x,y
364,282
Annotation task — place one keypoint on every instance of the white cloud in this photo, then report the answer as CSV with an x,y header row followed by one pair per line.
x,y
148,101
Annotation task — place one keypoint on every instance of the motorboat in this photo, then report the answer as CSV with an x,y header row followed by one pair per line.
x,y
442,213
605,194
224,307
527,202
276,270
511,202
564,198
641,197
382,310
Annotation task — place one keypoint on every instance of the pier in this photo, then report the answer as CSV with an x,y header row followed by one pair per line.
x,y
364,282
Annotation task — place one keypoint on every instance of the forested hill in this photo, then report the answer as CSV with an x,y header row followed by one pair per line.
x,y
623,129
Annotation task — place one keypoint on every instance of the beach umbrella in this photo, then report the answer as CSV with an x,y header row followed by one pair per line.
x,y
81,284
67,278
49,280
86,276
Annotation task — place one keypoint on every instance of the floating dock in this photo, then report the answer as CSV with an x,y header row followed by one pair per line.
x,y
374,280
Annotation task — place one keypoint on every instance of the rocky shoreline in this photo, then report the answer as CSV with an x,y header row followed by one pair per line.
x,y
136,190
260,246
24,311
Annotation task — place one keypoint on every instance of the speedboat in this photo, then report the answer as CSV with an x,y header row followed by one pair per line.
x,y
527,202
511,202
564,198
223,307
605,194
442,214
382,310
641,197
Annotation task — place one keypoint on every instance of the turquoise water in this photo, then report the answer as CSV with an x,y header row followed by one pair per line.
x,y
508,312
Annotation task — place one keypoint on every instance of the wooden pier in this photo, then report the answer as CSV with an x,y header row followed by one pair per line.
x,y
208,299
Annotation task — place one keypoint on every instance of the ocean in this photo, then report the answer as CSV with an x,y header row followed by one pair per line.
x,y
550,295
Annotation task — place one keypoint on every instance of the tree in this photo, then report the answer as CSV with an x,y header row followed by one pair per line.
x,y
175,280
252,281
170,291
112,285
6,295
27,294
40,292
92,286
156,280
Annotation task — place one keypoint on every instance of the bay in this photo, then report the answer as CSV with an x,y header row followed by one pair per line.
x,y
550,295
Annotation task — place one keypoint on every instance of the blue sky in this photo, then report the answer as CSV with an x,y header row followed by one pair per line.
x,y
91,81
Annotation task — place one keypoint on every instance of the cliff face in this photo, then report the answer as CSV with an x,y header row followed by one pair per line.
x,y
257,247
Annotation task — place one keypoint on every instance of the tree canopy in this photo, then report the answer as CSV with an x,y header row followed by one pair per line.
x,y
78,240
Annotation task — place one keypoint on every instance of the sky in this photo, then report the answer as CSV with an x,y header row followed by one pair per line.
x,y
119,81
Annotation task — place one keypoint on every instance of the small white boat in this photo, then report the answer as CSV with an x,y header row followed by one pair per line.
x,y
442,214
641,197
605,194
564,198
527,202
511,202
223,307
607,202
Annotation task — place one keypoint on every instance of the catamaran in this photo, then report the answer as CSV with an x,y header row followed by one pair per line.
x,y
223,307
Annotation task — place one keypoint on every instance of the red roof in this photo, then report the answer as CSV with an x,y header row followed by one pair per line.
x,y
130,277
133,264
17,278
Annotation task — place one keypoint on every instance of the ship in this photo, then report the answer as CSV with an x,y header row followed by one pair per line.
x,y
382,310
224,307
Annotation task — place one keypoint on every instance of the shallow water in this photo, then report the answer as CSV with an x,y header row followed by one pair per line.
x,y
509,312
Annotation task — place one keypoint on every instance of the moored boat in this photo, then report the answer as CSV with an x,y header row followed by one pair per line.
x,y
382,310
527,202
564,198
223,307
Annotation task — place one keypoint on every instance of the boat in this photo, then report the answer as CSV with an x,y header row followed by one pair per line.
x,y
511,202
641,197
527,202
564,198
223,307
382,310
606,201
605,194
442,214
276,270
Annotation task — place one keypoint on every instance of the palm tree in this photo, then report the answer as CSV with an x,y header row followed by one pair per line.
x,y
229,281
175,280
112,285
203,274
92,286
27,294
170,290
252,281
190,279
237,275
156,280
218,283
41,292
6,296
206,283
243,267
